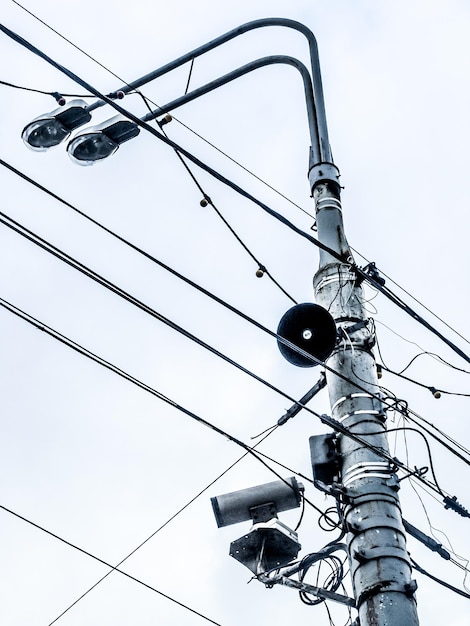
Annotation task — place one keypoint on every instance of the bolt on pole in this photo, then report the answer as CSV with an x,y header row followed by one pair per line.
x,y
379,562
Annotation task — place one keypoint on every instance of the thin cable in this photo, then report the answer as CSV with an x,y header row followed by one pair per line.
x,y
407,412
208,200
96,558
161,527
428,448
419,569
45,93
434,530
436,357
431,527
410,295
189,76
222,302
428,387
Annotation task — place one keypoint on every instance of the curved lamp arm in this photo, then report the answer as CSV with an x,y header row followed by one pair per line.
x,y
241,71
322,151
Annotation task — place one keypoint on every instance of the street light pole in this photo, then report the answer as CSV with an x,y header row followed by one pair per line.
x,y
379,562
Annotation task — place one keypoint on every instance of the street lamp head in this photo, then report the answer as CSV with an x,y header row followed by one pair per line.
x,y
51,129
101,141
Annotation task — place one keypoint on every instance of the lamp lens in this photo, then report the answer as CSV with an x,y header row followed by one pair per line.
x,y
87,149
44,134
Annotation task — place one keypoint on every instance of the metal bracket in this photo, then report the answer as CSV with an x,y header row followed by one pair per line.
x,y
324,594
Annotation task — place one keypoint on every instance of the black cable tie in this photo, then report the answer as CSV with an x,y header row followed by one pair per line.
x,y
452,503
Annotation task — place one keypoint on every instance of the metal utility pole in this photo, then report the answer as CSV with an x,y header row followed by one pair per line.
x,y
379,562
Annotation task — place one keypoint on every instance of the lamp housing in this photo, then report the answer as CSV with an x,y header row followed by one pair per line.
x,y
102,140
51,129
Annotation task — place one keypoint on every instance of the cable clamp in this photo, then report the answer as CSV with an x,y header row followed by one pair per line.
x,y
371,270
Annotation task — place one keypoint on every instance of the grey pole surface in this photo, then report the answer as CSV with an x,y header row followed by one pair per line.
x,y
378,558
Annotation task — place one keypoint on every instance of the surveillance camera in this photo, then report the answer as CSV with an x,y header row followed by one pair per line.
x,y
240,506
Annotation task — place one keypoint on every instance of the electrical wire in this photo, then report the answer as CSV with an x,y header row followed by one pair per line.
x,y
419,569
436,357
431,527
361,273
428,448
103,282
212,296
423,352
386,292
433,531
193,284
103,562
45,93
257,454
209,201
124,82
430,388
402,407
152,535
16,227
410,295
135,381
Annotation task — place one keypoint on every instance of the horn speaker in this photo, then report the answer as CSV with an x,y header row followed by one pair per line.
x,y
311,328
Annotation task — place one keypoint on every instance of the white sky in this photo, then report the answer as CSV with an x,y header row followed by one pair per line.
x,y
103,464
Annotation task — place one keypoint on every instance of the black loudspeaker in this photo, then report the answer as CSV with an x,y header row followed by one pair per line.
x,y
309,327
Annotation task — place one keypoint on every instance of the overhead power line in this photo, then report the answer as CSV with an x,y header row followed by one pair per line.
x,y
361,273
232,159
226,305
204,139
450,502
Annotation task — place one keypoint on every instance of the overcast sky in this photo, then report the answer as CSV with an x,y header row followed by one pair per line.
x,y
103,464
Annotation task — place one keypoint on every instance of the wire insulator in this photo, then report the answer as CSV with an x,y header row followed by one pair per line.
x,y
59,98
